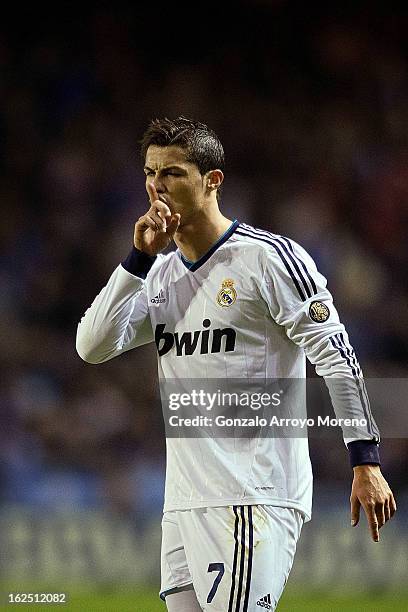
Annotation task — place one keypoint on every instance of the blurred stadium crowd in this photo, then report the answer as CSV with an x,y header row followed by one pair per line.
x,y
313,113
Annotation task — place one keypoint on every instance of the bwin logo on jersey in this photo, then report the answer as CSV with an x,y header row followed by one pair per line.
x,y
187,343
159,298
227,295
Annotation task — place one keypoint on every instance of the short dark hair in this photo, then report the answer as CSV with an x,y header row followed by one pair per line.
x,y
202,145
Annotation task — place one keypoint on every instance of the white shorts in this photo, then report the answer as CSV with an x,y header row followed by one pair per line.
x,y
237,558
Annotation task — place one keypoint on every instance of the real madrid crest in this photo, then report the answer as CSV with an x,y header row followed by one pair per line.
x,y
227,295
319,312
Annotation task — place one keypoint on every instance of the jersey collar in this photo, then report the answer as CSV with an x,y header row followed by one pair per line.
x,y
194,265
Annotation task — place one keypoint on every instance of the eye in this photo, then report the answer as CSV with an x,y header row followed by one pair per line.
x,y
149,173
172,173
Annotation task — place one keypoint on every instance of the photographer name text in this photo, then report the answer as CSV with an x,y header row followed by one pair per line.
x,y
256,421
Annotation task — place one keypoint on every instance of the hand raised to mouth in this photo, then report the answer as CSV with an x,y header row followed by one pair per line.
x,y
156,229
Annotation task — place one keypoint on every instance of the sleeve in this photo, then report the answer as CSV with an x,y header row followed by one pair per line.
x,y
298,299
118,318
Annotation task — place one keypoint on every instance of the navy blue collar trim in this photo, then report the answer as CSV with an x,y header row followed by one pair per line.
x,y
194,265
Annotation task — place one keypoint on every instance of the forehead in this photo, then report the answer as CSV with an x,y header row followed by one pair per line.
x,y
158,157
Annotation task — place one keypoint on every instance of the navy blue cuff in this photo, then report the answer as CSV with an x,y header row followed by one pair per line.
x,y
138,263
363,452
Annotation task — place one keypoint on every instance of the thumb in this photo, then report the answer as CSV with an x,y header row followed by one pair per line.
x,y
173,225
355,511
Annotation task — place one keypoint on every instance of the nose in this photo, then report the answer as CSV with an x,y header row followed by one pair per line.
x,y
158,184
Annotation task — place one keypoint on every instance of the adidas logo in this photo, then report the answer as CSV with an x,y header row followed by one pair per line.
x,y
159,298
265,602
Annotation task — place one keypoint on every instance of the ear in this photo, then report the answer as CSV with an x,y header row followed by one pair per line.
x,y
214,179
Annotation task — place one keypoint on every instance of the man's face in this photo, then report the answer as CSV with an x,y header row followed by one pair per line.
x,y
178,183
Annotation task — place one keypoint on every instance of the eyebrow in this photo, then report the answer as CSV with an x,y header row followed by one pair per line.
x,y
167,168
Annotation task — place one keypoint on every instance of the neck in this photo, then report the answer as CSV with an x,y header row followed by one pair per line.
x,y
200,232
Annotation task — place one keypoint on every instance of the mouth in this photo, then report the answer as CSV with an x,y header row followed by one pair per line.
x,y
163,199
166,201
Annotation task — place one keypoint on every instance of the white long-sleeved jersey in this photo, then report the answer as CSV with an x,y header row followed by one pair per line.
x,y
253,307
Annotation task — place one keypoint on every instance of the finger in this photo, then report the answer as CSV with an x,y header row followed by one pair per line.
x,y
173,225
372,522
380,514
160,223
355,511
144,223
387,512
162,209
374,531
393,505
151,190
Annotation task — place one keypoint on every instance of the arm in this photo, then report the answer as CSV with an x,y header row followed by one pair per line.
x,y
299,300
118,319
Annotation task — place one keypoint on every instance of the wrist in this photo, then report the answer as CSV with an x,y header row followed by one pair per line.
x,y
364,452
138,263
366,467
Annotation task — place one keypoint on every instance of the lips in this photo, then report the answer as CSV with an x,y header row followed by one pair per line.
x,y
165,201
